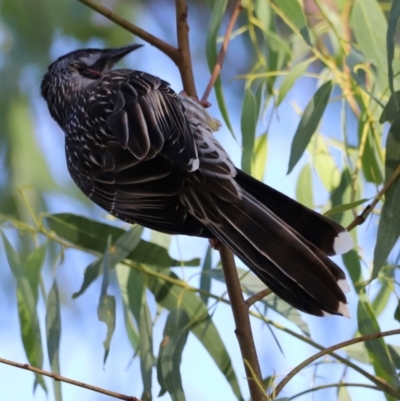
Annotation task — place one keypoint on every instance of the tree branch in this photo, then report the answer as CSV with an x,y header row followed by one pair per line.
x,y
222,51
165,47
243,332
363,216
383,385
69,381
184,61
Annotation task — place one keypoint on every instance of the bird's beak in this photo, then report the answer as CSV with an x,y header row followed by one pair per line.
x,y
111,57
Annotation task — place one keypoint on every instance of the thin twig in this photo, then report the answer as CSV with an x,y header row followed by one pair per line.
x,y
165,47
363,216
222,51
69,381
243,331
258,297
333,385
383,385
184,61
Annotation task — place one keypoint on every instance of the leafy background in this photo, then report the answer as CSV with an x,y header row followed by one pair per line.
x,y
301,94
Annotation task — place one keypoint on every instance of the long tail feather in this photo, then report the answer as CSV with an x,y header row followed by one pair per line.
x,y
293,267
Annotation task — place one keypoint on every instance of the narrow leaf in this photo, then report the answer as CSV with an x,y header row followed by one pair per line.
x,y
309,123
170,296
304,188
30,329
248,126
53,334
377,349
294,12
296,72
347,206
389,223
205,280
122,247
394,17
106,307
211,53
170,354
259,159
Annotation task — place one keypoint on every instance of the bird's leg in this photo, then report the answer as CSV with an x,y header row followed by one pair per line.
x,y
203,103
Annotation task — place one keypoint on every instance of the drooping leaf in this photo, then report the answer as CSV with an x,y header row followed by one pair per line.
x,y
92,235
394,17
371,161
123,246
218,11
53,334
169,296
294,12
205,280
248,125
170,354
30,329
309,123
259,159
369,26
106,306
296,72
377,349
304,188
391,111
389,223
352,262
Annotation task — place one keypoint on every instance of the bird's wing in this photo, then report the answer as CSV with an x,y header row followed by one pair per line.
x,y
148,118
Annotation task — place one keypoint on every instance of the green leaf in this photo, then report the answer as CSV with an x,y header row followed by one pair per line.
x,y
304,188
218,12
106,307
91,235
389,223
123,273
53,334
296,72
371,160
122,247
394,17
397,312
170,296
259,159
146,348
377,349
345,207
81,231
294,12
248,126
30,329
170,354
352,262
391,111
369,26
309,123
205,280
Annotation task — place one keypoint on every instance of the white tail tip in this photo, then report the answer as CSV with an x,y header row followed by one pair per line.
x,y
343,243
344,310
344,285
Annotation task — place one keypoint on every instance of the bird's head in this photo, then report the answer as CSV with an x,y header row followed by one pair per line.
x,y
74,72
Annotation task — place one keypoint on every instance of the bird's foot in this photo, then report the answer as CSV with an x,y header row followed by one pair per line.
x,y
203,103
214,243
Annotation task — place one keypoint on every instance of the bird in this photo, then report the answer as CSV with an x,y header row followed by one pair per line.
x,y
148,156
